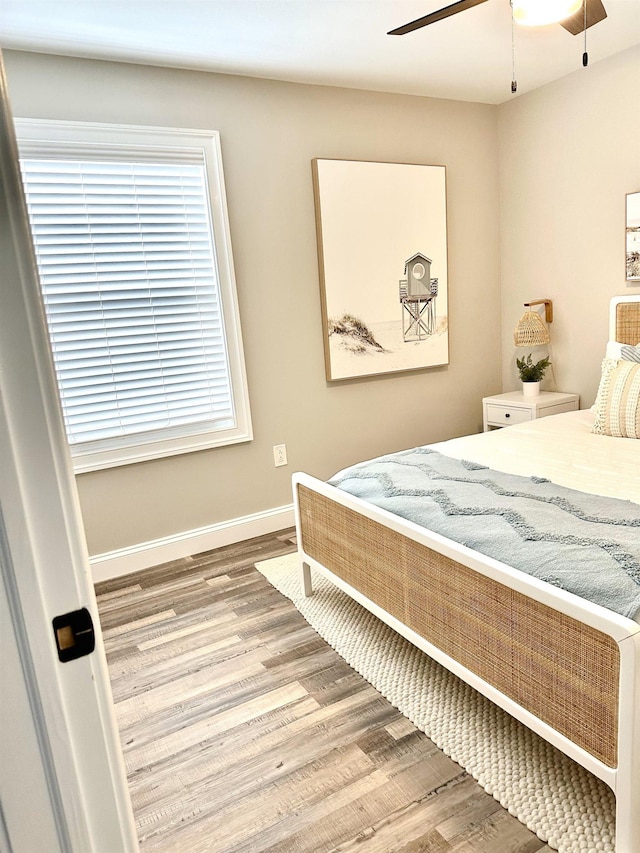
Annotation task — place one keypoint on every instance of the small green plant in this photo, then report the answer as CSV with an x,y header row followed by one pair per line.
x,y
530,372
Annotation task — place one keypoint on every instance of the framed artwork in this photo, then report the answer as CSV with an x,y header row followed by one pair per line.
x,y
382,251
633,237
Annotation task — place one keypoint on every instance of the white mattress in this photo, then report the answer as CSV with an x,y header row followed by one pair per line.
x,y
561,448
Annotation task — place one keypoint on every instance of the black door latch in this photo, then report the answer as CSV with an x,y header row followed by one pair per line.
x,y
74,634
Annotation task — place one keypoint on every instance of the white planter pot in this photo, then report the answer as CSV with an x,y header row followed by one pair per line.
x,y
530,389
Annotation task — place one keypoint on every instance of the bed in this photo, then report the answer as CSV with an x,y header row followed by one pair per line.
x,y
566,666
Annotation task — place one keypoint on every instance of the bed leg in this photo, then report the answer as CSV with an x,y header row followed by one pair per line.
x,y
306,580
628,816
627,788
627,830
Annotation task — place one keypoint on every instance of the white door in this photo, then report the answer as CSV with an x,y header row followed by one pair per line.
x,y
62,781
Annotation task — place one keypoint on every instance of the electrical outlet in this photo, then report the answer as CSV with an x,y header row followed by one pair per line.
x,y
279,455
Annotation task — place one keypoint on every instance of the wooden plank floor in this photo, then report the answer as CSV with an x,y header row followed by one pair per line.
x,y
242,730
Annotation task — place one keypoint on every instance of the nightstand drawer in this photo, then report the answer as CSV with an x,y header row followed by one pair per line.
x,y
558,409
507,415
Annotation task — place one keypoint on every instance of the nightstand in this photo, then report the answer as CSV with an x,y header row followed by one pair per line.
x,y
514,408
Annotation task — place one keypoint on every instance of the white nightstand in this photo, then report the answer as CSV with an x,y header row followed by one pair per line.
x,y
514,408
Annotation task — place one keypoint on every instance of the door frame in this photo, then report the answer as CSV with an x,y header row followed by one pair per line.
x,y
47,572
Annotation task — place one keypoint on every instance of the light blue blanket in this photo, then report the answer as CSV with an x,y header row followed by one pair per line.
x,y
586,544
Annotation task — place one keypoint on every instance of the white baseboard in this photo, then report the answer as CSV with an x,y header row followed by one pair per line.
x,y
123,561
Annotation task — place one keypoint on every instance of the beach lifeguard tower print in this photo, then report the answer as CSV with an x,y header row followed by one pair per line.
x,y
418,292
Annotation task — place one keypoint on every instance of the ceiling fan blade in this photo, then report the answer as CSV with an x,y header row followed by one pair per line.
x,y
453,9
595,13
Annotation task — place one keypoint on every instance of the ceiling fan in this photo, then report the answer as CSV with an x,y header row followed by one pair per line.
x,y
575,23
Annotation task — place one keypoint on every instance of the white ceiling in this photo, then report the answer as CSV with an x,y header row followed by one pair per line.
x,y
331,42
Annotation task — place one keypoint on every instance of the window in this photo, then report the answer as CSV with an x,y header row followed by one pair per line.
x,y
132,244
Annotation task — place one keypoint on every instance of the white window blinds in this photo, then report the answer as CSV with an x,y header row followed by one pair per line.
x,y
129,275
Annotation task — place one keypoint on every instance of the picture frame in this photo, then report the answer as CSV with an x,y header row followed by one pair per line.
x,y
382,255
632,237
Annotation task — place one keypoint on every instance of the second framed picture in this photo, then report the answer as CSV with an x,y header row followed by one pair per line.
x,y
382,248
633,237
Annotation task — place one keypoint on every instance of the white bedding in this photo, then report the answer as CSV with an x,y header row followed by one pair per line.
x,y
561,448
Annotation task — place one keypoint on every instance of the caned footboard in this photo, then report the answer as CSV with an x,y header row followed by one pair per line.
x,y
562,671
568,669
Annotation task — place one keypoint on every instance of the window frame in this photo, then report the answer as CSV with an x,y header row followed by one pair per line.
x,y
53,139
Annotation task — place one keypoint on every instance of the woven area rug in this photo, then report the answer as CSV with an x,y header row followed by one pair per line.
x,y
562,803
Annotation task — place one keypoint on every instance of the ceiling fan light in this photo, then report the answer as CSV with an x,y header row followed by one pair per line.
x,y
537,13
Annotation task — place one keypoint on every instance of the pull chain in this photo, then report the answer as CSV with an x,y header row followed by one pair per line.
x,y
514,82
585,55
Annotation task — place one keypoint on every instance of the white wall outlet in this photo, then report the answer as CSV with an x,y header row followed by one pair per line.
x,y
279,455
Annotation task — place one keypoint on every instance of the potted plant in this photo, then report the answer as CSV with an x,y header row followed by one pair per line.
x,y
531,374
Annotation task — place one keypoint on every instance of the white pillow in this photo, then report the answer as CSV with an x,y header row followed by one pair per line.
x,y
614,350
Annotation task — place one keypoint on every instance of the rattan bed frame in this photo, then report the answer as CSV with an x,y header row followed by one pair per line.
x,y
568,669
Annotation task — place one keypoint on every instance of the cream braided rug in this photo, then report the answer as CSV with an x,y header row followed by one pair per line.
x,y
562,803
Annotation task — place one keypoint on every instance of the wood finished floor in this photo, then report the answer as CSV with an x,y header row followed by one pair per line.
x,y
242,730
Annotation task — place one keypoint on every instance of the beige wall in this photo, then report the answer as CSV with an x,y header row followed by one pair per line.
x,y
270,131
568,154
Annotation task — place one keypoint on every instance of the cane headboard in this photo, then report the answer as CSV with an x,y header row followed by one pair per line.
x,y
624,320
